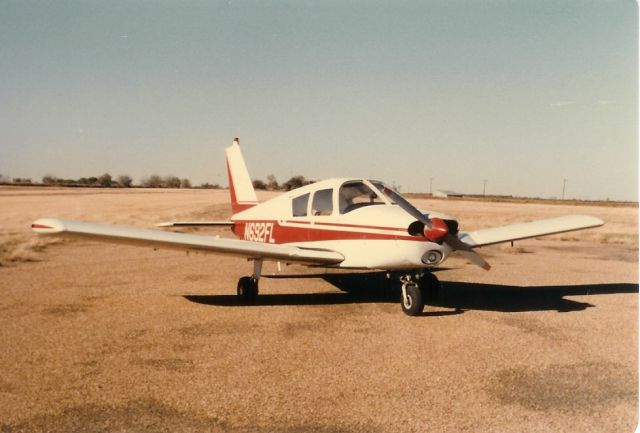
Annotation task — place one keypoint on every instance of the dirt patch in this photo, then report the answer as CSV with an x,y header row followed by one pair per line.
x,y
171,364
608,252
533,326
210,329
6,386
583,388
137,416
65,310
516,250
142,416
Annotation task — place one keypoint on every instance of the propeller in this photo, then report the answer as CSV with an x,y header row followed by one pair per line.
x,y
435,229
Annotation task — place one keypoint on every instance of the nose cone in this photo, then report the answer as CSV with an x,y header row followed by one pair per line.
x,y
437,231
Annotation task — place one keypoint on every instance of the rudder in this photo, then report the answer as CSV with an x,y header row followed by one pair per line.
x,y
243,196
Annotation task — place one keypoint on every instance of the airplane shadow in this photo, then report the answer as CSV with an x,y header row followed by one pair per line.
x,y
374,287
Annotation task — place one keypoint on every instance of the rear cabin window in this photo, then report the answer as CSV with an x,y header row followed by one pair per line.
x,y
354,195
299,205
322,202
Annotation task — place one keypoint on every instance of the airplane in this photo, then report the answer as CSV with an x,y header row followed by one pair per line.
x,y
343,223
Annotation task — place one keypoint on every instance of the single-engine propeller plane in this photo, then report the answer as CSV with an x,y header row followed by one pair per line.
x,y
350,223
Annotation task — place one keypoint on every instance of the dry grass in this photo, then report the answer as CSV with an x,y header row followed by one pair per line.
x,y
23,248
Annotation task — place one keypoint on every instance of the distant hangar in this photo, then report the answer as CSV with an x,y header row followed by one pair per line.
x,y
443,193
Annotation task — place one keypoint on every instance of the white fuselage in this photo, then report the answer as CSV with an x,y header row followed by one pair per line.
x,y
370,236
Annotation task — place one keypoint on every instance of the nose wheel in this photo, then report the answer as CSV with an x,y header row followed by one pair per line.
x,y
416,293
411,302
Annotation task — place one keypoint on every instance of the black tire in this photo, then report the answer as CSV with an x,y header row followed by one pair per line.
x,y
430,286
414,304
248,290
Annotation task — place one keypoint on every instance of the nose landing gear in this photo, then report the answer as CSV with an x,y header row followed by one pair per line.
x,y
416,291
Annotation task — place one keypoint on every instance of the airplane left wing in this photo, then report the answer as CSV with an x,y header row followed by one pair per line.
x,y
184,241
484,237
195,224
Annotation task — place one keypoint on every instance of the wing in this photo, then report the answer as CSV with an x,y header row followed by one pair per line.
x,y
195,223
533,229
184,241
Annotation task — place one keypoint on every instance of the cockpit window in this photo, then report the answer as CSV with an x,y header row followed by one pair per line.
x,y
354,195
322,202
299,205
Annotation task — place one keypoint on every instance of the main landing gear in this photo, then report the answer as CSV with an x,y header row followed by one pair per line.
x,y
416,290
248,286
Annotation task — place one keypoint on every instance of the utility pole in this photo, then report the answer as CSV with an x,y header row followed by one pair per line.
x,y
564,184
484,188
431,186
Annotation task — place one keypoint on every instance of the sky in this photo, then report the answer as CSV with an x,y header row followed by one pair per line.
x,y
520,94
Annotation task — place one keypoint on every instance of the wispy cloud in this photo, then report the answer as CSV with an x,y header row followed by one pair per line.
x,y
561,103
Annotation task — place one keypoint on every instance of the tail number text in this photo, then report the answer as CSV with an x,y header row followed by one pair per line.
x,y
259,232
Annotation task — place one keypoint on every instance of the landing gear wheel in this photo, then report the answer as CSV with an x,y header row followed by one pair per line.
x,y
248,290
411,301
430,286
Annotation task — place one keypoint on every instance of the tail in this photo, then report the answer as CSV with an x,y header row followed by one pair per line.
x,y
243,196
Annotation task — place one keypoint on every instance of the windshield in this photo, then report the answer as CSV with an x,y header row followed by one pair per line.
x,y
356,194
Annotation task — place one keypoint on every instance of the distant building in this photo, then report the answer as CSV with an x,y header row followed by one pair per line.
x,y
442,193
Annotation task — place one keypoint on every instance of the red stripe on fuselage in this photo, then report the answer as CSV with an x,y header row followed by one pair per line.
x,y
271,231
361,226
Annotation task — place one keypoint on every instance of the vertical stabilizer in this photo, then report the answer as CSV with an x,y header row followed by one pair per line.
x,y
243,196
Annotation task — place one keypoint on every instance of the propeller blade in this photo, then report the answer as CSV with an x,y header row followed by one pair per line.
x,y
408,207
434,228
475,258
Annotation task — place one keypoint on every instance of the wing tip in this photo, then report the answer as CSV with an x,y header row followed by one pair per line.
x,y
47,226
587,219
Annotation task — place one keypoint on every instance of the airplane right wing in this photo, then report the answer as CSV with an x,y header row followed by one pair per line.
x,y
185,241
484,237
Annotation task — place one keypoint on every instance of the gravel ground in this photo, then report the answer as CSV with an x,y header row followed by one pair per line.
x,y
109,338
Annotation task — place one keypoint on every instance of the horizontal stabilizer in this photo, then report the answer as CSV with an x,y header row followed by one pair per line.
x,y
185,241
533,229
195,223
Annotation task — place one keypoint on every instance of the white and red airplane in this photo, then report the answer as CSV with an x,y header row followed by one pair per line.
x,y
351,223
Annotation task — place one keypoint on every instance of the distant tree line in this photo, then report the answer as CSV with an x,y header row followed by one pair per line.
x,y
153,181
107,181
272,183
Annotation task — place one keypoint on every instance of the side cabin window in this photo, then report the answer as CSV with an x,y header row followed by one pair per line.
x,y
299,205
322,202
354,195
